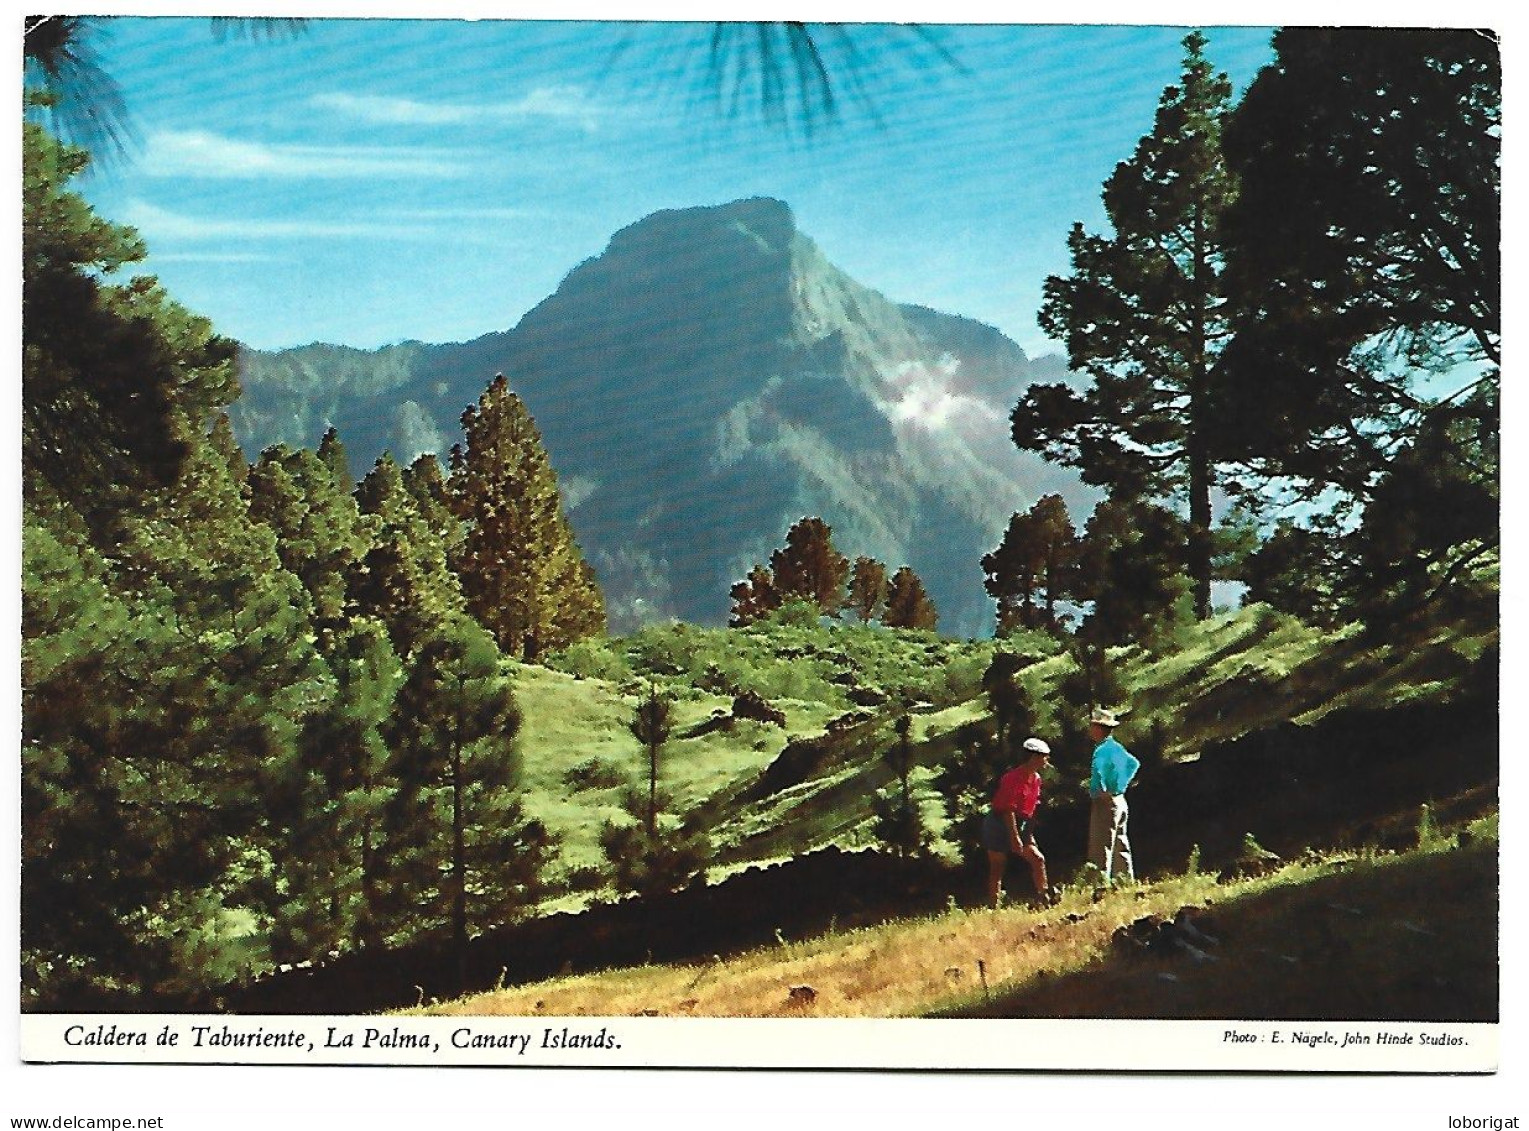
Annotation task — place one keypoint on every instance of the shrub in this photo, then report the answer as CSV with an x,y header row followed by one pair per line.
x,y
795,614
899,823
667,650
1428,831
966,783
1032,643
962,675
671,858
591,658
593,773
748,705
1088,875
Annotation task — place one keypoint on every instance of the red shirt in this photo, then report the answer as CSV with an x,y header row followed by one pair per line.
x,y
1018,792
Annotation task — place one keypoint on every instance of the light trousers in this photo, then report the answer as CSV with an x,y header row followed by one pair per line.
x,y
1109,845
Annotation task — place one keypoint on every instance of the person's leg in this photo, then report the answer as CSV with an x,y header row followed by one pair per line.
x,y
1099,815
1037,862
1123,862
995,866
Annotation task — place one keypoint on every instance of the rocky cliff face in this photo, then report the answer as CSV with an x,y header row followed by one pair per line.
x,y
702,384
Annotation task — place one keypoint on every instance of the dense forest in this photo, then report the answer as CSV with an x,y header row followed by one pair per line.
x,y
261,700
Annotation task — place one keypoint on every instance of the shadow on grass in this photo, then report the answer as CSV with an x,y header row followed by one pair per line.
x,y
1409,938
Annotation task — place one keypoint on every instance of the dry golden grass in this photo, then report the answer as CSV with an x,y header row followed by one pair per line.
x,y
898,969
1059,961
1388,938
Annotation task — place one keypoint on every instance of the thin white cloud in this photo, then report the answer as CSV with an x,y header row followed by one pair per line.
x,y
457,215
210,257
197,153
161,224
548,103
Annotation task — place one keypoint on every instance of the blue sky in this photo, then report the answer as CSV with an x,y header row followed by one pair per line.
x,y
372,181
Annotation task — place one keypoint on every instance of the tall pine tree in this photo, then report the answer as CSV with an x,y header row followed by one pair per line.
x,y
118,380
1145,314
1036,557
404,578
1366,362
524,575
317,525
333,860
464,854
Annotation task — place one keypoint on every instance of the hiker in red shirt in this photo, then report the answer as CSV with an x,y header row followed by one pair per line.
x,y
1008,827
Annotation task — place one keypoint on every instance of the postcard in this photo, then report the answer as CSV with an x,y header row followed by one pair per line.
x,y
644,542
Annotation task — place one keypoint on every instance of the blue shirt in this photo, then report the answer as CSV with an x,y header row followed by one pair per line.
x,y
1114,767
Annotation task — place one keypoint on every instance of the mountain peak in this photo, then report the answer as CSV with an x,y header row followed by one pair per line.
x,y
705,381
763,222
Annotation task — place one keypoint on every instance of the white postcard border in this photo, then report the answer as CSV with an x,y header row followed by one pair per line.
x,y
1008,1045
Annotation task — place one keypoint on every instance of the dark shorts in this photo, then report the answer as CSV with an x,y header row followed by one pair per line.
x,y
995,831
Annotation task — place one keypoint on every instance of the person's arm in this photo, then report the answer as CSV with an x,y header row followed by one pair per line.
x,y
1015,844
1129,764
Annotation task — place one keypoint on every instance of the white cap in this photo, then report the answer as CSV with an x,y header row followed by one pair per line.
x,y
1036,746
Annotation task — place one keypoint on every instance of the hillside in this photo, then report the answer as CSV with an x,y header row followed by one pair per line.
x,y
1348,936
1239,675
787,808
770,384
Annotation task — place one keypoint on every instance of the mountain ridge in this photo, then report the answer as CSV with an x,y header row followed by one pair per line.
x,y
705,381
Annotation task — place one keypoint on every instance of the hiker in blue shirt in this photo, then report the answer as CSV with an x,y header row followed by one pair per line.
x,y
1109,847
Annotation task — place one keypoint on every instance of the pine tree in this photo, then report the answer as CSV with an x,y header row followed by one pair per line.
x,y
1370,317
332,859
1036,557
1131,567
810,568
1391,139
427,486
1145,313
648,864
867,588
524,575
651,726
166,692
319,536
1433,518
1294,569
899,818
168,657
1010,574
464,853
908,606
404,579
1006,697
967,783
654,852
225,445
1058,540
332,455
119,380
753,598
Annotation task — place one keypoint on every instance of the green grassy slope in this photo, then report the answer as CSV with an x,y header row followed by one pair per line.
x,y
771,791
1236,674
